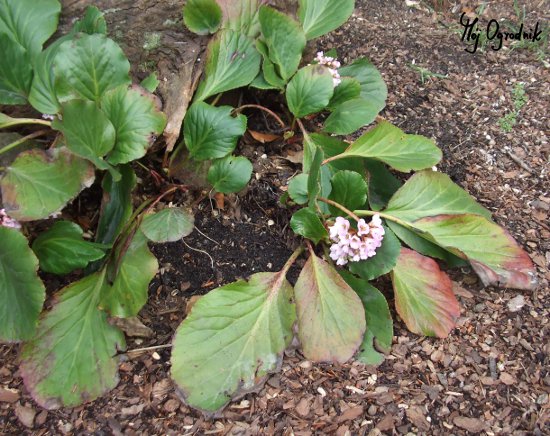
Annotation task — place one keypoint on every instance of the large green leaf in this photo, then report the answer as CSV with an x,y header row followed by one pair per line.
x,y
284,38
348,189
382,184
314,187
331,319
29,22
91,139
425,247
15,72
116,205
399,150
319,17
350,116
429,193
42,95
379,334
61,249
384,260
230,174
424,297
168,225
21,290
373,87
241,16
71,359
493,253
134,266
232,62
202,16
212,132
137,119
306,223
232,339
309,91
40,183
88,66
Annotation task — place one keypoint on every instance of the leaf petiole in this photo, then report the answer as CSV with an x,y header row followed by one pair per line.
x,y
22,140
22,121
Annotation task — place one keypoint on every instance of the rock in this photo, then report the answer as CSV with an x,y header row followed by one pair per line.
x,y
132,410
516,303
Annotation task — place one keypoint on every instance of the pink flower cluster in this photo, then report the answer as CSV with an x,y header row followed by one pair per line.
x,y
6,221
352,245
332,64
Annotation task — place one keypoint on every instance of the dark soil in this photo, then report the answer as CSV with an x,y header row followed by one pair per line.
x,y
490,376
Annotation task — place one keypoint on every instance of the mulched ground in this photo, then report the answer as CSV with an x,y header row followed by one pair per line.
x,y
490,376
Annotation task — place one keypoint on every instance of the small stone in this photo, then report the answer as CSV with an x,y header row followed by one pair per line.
x,y
25,415
516,303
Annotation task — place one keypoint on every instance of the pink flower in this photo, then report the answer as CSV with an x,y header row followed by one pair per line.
x,y
332,64
6,221
352,246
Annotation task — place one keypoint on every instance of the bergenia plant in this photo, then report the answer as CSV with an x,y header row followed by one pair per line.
x,y
94,119
357,220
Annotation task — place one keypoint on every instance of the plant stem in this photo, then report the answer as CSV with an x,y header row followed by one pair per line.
x,y
262,108
20,121
330,159
387,217
301,125
22,140
156,347
291,260
339,206
217,99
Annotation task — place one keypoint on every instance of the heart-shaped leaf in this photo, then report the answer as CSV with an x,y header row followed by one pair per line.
x,y
116,205
137,119
350,116
237,333
429,193
87,130
309,91
493,253
379,334
319,17
348,189
61,249
331,319
21,291
168,225
42,95
297,189
284,38
373,87
88,66
424,297
15,71
392,146
29,22
230,174
212,132
232,62
92,22
348,89
306,223
133,267
71,359
40,183
384,260
202,16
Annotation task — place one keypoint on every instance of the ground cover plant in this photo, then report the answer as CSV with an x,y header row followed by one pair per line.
x,y
235,335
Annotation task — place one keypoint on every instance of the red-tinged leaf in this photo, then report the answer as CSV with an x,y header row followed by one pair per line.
x,y
494,254
424,297
331,318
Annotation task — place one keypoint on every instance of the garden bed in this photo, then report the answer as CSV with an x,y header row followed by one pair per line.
x,y
491,374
